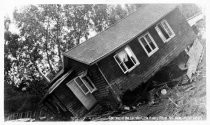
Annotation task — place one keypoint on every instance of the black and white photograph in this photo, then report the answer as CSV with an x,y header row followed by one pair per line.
x,y
91,62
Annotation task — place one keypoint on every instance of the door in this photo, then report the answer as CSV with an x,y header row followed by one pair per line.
x,y
88,100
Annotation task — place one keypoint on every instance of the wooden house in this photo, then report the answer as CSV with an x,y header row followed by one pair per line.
x,y
124,56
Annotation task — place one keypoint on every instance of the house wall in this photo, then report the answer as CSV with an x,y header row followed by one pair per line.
x,y
68,99
77,66
149,65
103,94
88,100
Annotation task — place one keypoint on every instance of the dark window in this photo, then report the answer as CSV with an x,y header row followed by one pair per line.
x,y
89,83
164,31
150,41
85,83
148,44
81,85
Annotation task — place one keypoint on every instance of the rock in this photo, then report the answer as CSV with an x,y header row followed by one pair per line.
x,y
133,107
126,108
163,92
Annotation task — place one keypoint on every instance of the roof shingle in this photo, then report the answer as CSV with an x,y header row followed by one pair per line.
x,y
119,34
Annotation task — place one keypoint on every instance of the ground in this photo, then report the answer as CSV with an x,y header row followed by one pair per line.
x,y
188,101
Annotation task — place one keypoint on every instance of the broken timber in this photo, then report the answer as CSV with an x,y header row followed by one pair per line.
x,y
195,54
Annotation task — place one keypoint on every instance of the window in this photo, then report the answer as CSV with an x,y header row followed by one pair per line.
x,y
148,44
126,59
85,84
164,31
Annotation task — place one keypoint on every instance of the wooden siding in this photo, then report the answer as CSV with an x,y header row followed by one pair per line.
x,y
149,65
103,94
77,66
99,82
87,100
68,98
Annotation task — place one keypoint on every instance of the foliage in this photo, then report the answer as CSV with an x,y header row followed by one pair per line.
x,y
48,30
189,10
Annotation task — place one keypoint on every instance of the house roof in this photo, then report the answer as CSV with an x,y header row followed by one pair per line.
x,y
119,34
56,84
57,76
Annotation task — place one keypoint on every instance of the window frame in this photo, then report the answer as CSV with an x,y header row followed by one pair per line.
x,y
153,41
159,32
84,83
134,56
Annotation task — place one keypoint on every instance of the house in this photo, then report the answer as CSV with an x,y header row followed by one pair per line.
x,y
126,55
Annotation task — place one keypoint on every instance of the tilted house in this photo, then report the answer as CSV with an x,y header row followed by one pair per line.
x,y
121,58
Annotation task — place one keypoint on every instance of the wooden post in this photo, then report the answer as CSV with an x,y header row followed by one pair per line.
x,y
16,115
27,114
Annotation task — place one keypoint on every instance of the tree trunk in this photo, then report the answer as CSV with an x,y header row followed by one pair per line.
x,y
59,52
41,73
59,46
78,38
37,91
46,50
58,34
48,61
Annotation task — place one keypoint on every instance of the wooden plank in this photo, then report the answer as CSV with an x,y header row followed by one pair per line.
x,y
194,54
99,82
192,20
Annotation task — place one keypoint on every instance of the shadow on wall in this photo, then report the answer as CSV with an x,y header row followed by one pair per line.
x,y
167,73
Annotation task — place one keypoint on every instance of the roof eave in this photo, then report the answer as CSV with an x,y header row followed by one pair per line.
x,y
86,63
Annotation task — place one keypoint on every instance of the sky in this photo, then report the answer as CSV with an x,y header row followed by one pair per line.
x,y
8,12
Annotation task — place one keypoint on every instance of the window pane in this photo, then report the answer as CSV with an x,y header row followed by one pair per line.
x,y
150,41
163,31
143,41
133,59
84,88
81,84
148,49
123,56
123,67
129,63
118,60
88,83
145,45
167,28
129,51
160,33
130,54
